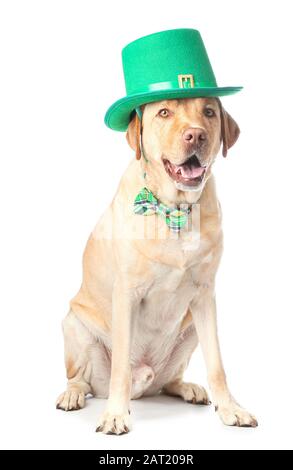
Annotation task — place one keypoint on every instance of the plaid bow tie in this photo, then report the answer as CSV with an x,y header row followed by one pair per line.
x,y
146,203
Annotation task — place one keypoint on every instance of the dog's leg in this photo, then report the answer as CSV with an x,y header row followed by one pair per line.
x,y
77,340
230,412
116,419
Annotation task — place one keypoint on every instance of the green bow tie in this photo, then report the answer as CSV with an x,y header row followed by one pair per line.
x,y
146,203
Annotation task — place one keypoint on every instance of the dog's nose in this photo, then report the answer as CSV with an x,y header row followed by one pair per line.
x,y
194,135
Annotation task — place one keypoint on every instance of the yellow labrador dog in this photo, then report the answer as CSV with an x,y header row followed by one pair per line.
x,y
148,293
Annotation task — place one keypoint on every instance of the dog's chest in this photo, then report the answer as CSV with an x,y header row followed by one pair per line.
x,y
160,316
174,284
166,300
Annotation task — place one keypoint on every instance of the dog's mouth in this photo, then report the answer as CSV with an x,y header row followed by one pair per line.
x,y
189,173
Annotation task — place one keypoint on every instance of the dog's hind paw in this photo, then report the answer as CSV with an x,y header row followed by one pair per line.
x,y
71,400
192,393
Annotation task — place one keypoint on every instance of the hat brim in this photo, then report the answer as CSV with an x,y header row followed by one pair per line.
x,y
118,115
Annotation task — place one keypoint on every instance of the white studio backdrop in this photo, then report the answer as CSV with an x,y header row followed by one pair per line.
x,y
60,166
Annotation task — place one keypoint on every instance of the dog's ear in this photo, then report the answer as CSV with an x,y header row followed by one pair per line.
x,y
133,135
229,131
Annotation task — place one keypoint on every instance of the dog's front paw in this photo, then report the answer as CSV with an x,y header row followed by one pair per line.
x,y
111,423
233,415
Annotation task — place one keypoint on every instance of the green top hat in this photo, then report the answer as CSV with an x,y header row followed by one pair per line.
x,y
165,65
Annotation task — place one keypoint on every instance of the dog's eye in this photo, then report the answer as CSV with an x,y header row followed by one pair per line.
x,y
209,112
164,113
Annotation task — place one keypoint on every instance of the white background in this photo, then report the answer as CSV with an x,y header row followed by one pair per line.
x,y
60,70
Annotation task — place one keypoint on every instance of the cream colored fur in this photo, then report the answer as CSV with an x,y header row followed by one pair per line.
x,y
148,295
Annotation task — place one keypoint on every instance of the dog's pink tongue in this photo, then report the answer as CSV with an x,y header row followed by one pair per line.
x,y
189,171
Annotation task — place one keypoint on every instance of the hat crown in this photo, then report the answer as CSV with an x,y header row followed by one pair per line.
x,y
169,59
